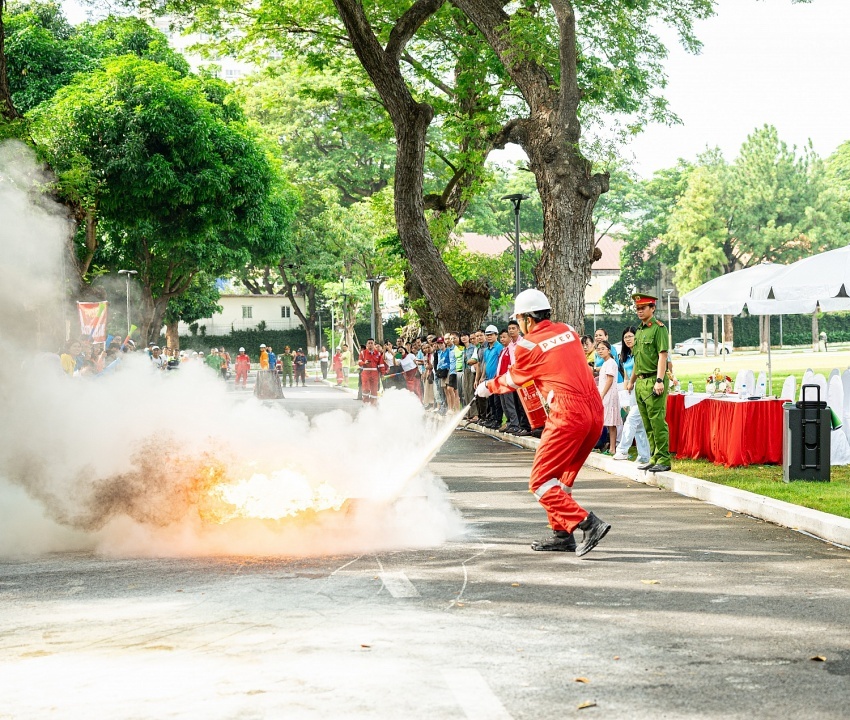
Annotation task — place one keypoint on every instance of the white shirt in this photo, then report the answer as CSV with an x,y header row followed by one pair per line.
x,y
323,356
408,362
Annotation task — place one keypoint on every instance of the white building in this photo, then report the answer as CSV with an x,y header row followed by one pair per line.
x,y
245,312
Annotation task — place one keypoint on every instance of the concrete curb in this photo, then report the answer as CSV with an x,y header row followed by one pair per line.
x,y
825,526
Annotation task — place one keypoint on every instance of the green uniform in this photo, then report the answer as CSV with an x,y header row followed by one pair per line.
x,y
652,339
286,367
214,361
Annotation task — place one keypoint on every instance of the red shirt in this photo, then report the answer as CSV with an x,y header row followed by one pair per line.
x,y
371,359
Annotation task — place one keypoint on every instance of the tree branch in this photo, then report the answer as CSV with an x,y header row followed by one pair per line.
x,y
407,25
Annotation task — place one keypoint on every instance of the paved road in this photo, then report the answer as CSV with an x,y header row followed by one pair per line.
x,y
681,612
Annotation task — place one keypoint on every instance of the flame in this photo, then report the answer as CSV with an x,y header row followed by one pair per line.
x,y
279,495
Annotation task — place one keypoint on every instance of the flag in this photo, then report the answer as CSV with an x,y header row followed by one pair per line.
x,y
93,319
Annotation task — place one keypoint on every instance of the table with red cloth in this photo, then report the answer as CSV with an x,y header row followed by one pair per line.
x,y
728,432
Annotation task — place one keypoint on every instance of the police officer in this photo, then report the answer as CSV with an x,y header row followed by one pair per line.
x,y
649,378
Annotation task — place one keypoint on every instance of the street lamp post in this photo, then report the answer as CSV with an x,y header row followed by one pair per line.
x,y
127,274
374,286
516,199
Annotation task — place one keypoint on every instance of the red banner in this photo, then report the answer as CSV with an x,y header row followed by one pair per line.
x,y
93,319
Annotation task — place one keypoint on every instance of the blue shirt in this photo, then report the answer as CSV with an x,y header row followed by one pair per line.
x,y
272,361
491,359
628,366
446,360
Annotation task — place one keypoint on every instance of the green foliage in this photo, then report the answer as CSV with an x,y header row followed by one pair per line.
x,y
649,204
44,51
177,189
698,230
199,301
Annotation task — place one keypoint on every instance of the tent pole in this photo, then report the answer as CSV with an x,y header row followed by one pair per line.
x,y
722,336
769,363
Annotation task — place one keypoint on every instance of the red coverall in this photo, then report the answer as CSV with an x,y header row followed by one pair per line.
x,y
372,362
243,365
552,356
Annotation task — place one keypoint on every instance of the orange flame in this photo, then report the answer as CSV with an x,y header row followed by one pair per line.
x,y
277,496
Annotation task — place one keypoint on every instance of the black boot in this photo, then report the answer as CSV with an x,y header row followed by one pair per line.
x,y
558,541
594,530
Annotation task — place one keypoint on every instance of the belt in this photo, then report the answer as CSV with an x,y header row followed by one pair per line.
x,y
644,376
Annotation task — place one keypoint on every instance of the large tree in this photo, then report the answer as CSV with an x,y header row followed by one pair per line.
x,y
176,182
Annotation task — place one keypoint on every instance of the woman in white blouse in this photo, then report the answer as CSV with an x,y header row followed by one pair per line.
x,y
608,390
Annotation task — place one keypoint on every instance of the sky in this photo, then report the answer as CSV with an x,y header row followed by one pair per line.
x,y
763,61
767,61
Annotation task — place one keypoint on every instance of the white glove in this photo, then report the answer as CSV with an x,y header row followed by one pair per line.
x,y
482,391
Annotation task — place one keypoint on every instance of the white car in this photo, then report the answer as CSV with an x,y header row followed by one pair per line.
x,y
694,345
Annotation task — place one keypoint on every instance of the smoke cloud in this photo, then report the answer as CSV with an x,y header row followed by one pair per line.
x,y
132,463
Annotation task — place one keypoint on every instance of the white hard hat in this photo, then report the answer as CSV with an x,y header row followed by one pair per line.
x,y
262,345
491,329
241,349
529,301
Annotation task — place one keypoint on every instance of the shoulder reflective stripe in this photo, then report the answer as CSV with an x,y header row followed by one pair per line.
x,y
552,342
548,485
509,381
527,344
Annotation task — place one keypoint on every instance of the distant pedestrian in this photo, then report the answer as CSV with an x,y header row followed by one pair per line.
x,y
337,364
264,357
300,363
286,365
323,362
243,365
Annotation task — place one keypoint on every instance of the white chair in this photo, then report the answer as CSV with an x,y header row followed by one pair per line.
x,y
761,381
835,399
789,388
808,378
741,378
839,451
820,381
845,381
834,373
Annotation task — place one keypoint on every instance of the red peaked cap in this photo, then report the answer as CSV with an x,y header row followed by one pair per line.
x,y
641,299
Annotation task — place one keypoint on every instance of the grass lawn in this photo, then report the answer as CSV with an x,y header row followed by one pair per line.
x,y
695,369
831,497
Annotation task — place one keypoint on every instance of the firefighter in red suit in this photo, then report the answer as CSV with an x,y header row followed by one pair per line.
x,y
551,355
243,365
371,362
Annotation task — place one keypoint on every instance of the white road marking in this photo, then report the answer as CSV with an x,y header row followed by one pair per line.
x,y
474,695
398,585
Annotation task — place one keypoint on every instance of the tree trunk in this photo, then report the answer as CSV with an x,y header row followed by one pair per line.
x,y
715,333
453,305
704,335
764,333
7,107
550,136
815,338
153,311
172,338
728,330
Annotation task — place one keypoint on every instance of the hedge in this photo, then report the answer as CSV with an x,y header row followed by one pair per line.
x,y
278,339
796,329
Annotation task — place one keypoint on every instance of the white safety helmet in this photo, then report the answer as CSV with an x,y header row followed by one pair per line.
x,y
529,301
241,349
262,345
491,329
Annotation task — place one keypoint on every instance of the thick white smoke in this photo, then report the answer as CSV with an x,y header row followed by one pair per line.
x,y
121,463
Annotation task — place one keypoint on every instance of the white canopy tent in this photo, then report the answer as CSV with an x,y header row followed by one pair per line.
x,y
820,280
730,293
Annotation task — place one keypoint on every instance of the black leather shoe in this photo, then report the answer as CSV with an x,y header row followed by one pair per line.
x,y
522,433
646,466
594,530
659,468
558,541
